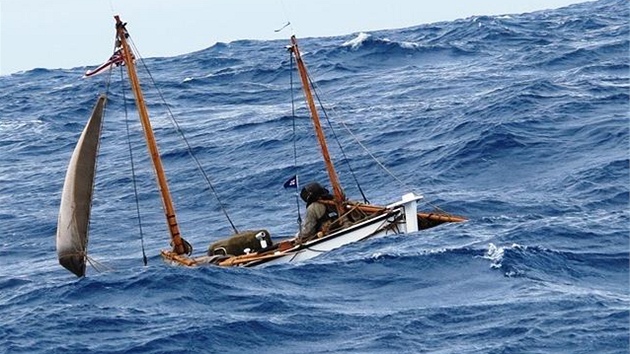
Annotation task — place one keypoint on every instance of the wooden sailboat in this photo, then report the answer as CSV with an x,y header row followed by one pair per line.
x,y
360,221
250,248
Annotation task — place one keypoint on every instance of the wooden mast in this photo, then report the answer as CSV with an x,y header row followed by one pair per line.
x,y
169,209
330,168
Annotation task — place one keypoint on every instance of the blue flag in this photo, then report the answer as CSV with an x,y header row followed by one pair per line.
x,y
291,182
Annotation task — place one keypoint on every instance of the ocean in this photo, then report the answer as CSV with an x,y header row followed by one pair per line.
x,y
519,122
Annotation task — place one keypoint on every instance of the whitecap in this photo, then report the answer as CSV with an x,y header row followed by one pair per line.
x,y
409,45
495,254
358,41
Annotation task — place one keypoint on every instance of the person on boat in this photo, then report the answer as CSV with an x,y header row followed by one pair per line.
x,y
317,213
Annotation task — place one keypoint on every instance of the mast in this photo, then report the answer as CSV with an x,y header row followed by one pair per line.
x,y
169,210
330,168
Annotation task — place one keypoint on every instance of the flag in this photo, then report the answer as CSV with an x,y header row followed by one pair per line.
x,y
291,182
115,60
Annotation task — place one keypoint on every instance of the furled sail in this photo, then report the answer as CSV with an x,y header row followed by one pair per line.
x,y
76,198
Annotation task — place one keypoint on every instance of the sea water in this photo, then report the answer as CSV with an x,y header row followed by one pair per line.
x,y
519,123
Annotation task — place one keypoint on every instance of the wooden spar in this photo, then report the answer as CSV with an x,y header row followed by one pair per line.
x,y
379,209
183,260
330,168
169,209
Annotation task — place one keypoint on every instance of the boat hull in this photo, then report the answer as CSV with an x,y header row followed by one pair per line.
x,y
379,226
397,218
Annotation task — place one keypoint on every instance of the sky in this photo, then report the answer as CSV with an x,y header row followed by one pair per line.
x,y
65,34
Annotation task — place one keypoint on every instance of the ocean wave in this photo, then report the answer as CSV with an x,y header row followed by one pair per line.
x,y
540,263
518,122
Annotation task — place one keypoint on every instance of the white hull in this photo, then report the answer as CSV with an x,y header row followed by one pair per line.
x,y
391,223
359,232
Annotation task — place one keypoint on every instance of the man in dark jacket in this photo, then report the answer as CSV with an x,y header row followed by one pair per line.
x,y
316,213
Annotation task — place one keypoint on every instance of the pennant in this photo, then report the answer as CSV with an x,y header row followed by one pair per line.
x,y
115,60
291,182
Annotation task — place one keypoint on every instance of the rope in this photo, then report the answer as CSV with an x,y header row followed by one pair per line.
x,y
133,172
345,158
297,179
98,148
356,139
181,133
98,266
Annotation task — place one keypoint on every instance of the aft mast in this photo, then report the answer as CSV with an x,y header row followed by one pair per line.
x,y
179,244
330,168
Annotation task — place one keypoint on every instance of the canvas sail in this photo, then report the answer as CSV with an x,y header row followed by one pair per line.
x,y
76,198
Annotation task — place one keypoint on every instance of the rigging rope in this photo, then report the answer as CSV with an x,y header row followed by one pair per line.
x,y
297,179
133,171
346,160
181,133
90,260
356,139
98,266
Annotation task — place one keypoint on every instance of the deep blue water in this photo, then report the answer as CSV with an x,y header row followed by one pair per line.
x,y
518,122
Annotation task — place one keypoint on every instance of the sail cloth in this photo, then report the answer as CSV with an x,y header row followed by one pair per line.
x,y
76,198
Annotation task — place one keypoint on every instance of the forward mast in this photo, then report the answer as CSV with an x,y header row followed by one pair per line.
x,y
178,243
338,194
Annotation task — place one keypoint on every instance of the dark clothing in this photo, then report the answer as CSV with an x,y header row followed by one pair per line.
x,y
316,214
